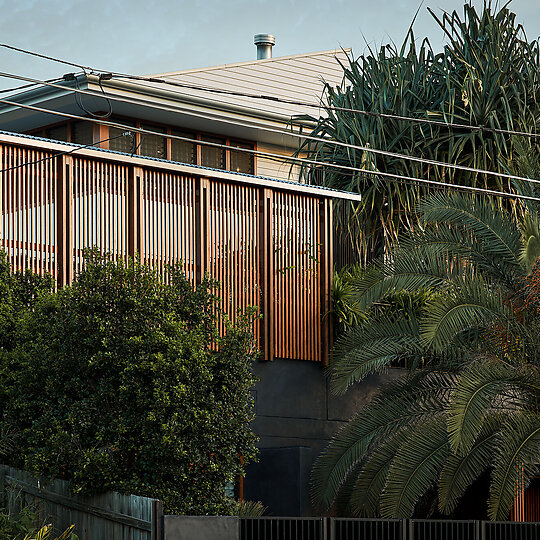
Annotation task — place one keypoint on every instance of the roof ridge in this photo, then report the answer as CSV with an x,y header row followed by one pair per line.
x,y
347,50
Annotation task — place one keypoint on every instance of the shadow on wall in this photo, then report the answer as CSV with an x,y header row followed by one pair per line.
x,y
296,417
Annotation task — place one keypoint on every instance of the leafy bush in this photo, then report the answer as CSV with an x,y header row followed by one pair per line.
x,y
16,527
126,385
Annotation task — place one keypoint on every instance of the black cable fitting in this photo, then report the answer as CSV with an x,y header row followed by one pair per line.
x,y
69,76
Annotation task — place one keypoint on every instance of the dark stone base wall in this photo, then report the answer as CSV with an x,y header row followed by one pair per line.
x,y
296,416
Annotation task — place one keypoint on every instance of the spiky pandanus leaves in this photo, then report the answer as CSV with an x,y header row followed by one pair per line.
x,y
487,75
477,332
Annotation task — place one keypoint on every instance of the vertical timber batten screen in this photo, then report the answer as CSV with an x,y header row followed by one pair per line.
x,y
28,208
168,221
232,251
99,208
269,247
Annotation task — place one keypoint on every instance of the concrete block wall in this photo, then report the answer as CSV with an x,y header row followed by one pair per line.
x,y
296,416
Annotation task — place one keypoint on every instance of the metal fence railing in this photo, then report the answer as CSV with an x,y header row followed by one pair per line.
x,y
425,529
276,528
366,529
510,530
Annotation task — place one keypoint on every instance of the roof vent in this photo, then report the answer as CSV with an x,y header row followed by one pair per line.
x,y
264,43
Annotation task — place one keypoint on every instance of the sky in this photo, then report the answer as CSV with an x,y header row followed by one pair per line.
x,y
149,36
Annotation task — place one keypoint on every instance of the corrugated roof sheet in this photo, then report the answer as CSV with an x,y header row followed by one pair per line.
x,y
299,77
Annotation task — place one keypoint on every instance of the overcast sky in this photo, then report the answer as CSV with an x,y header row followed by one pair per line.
x,y
150,36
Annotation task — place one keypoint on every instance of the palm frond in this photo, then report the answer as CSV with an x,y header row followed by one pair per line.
x,y
478,389
496,230
401,403
515,464
415,468
369,348
474,303
373,476
530,232
461,470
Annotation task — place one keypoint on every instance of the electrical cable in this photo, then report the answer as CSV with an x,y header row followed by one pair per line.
x,y
388,116
289,159
77,90
287,133
25,51
24,86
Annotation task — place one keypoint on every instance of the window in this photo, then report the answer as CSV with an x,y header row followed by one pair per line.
x,y
121,144
58,133
183,151
242,161
82,132
190,151
212,156
153,145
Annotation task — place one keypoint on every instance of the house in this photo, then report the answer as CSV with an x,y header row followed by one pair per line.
x,y
214,194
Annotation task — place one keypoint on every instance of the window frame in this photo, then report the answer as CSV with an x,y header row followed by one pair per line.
x,y
101,132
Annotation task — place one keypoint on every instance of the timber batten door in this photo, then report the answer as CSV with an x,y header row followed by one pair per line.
x,y
269,246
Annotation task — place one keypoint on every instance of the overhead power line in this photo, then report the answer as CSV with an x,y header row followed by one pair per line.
x,y
317,164
46,57
58,154
109,97
388,116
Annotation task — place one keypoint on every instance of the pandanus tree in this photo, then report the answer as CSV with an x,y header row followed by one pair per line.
x,y
470,402
487,76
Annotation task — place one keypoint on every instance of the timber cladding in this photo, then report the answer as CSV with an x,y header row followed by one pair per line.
x,y
269,244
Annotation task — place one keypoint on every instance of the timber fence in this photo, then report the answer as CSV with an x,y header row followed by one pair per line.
x,y
101,517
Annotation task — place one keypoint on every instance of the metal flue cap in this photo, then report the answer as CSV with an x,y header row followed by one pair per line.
x,y
264,43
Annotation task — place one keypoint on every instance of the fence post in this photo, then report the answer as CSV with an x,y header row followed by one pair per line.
x,y
157,520
64,220
483,535
331,528
411,529
134,212
266,271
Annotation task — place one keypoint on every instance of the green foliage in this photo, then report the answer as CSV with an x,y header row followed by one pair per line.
x,y
488,74
46,533
22,526
250,509
126,385
474,404
16,527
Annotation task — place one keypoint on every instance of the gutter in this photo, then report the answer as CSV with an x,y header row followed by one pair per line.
x,y
35,96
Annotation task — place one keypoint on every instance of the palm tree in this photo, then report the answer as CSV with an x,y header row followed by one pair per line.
x,y
474,404
487,75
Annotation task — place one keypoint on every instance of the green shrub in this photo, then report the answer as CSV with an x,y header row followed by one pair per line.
x,y
124,384
16,527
